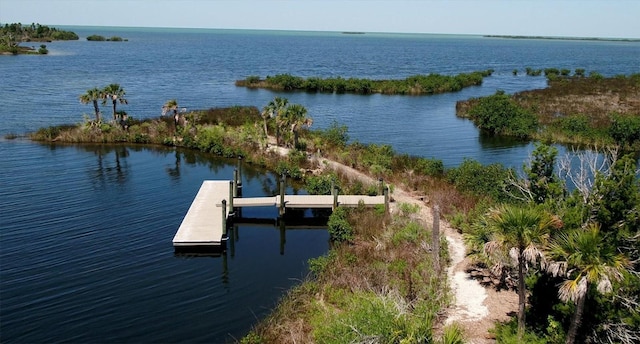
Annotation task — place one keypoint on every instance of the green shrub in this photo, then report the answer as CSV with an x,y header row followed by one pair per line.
x,y
321,185
318,265
409,233
211,139
499,114
335,135
289,169
507,333
340,230
625,130
368,318
452,334
575,124
481,180
430,167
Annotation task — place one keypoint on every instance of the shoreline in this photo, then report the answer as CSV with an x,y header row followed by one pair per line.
x,y
596,39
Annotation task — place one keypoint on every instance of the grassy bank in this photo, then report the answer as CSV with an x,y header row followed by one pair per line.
x,y
593,110
382,286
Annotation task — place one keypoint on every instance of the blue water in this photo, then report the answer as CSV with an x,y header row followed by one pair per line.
x,y
86,231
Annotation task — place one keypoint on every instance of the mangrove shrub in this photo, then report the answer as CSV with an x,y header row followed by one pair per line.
x,y
499,114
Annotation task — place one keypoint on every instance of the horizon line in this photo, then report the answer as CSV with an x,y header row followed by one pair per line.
x,y
493,35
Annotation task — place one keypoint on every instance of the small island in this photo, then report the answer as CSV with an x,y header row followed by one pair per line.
x,y
567,38
413,85
11,35
99,38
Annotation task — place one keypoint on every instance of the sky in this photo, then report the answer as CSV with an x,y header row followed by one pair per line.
x,y
563,18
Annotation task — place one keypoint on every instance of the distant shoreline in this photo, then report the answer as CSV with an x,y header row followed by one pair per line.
x,y
567,38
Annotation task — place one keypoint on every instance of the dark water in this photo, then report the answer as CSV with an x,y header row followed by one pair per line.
x,y
85,231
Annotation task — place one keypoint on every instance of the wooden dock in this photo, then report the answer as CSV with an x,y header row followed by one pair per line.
x,y
202,226
206,220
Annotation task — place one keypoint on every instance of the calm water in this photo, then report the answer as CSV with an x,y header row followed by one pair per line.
x,y
86,231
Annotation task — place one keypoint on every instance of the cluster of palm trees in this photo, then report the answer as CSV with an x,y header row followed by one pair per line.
x,y
586,257
288,118
113,93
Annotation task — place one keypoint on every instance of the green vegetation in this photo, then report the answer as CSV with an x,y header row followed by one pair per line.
x,y
383,290
588,260
289,120
498,114
589,110
11,35
99,38
113,93
414,85
570,252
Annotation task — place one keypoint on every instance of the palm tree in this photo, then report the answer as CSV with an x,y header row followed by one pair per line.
x,y
520,233
296,118
585,259
267,113
93,95
277,108
171,105
115,93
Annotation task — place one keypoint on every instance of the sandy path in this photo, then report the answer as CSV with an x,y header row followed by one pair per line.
x,y
475,308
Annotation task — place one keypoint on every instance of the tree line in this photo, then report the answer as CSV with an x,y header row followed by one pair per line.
x,y
11,35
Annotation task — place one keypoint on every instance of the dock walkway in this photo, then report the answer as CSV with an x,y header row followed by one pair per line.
x,y
205,224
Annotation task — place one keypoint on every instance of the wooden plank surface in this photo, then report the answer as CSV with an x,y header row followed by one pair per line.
x,y
203,223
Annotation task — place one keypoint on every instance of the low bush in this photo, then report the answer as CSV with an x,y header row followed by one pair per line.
x,y
481,180
339,228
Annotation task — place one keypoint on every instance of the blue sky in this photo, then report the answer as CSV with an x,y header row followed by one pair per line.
x,y
576,18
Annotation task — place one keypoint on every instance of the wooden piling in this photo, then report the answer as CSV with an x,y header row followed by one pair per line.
x,y
435,238
386,199
224,219
239,180
235,182
231,195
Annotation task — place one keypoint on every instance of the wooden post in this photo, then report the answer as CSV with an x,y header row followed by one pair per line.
x,y
235,182
380,186
231,196
435,238
239,181
282,191
386,199
335,198
224,219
